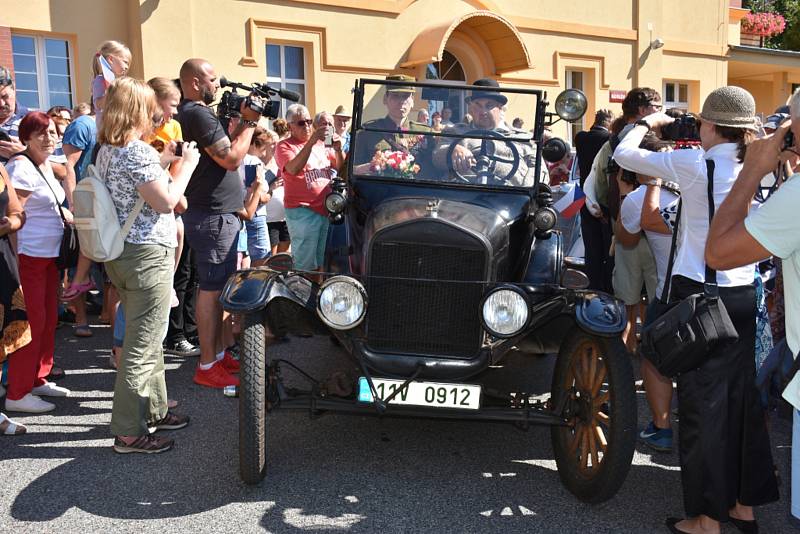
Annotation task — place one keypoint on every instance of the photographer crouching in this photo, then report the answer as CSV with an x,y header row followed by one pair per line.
x,y
725,453
740,236
214,196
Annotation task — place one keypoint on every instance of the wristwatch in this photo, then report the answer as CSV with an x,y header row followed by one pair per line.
x,y
250,124
655,182
642,122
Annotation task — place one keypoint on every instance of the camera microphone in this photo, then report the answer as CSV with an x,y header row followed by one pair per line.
x,y
289,95
224,82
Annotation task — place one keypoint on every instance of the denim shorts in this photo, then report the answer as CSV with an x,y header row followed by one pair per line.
x,y
214,238
309,232
258,241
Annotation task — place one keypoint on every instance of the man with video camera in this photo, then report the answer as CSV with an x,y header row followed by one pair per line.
x,y
214,196
739,236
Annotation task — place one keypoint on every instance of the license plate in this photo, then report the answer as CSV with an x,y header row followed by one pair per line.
x,y
434,394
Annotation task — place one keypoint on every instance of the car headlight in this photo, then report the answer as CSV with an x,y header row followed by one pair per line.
x,y
342,302
505,312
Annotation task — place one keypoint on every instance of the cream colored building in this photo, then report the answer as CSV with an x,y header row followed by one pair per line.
x,y
683,48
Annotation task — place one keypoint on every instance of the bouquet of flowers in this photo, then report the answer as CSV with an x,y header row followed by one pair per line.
x,y
763,24
393,163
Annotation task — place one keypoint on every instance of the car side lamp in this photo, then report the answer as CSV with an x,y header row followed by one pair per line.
x,y
336,201
570,105
544,217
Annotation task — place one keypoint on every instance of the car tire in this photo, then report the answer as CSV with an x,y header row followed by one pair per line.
x,y
252,400
594,453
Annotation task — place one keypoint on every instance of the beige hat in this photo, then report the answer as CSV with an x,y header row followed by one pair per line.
x,y
730,106
342,111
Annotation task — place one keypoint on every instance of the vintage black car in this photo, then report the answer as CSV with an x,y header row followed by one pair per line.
x,y
435,273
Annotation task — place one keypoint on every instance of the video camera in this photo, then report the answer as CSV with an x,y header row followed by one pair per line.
x,y
684,128
231,102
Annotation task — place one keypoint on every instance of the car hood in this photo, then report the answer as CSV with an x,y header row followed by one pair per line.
x,y
485,224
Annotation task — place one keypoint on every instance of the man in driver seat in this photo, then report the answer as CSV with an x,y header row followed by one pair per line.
x,y
399,101
487,110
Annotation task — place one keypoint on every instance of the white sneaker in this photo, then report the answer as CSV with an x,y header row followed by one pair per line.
x,y
29,403
50,389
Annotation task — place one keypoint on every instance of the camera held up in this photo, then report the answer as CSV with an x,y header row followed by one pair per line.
x,y
684,128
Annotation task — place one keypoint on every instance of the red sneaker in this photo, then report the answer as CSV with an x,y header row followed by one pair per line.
x,y
230,363
216,377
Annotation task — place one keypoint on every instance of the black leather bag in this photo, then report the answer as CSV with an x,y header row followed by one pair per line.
x,y
687,331
69,250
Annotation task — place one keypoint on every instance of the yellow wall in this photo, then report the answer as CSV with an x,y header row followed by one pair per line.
x,y
608,40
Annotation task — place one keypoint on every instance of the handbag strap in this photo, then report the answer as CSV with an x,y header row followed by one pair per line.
x,y
55,197
710,286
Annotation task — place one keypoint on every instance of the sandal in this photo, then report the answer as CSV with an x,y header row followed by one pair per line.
x,y
82,330
10,428
74,290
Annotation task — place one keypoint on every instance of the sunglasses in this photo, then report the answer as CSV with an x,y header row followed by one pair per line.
x,y
307,122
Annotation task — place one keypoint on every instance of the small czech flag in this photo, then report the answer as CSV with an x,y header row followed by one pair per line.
x,y
572,201
108,74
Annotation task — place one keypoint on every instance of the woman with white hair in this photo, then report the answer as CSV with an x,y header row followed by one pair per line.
x,y
725,454
307,166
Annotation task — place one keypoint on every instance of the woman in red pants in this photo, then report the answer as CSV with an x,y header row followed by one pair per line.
x,y
41,197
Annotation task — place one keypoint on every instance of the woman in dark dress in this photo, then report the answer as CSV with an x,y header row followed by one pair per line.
x,y
14,329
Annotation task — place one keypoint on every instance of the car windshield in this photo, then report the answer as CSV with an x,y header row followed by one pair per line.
x,y
478,136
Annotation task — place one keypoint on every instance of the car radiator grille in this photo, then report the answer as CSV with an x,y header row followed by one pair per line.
x,y
422,305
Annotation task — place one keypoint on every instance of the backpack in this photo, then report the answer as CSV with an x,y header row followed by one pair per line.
x,y
95,218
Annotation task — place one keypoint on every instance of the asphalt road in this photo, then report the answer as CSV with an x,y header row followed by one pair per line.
x,y
334,473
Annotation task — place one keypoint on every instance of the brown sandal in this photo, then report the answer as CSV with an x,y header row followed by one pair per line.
x,y
10,428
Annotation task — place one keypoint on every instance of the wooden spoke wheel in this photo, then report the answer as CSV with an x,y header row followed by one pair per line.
x,y
594,451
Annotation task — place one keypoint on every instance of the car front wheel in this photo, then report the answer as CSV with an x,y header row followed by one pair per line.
x,y
252,400
594,451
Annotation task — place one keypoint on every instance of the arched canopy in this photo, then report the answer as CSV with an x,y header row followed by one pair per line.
x,y
500,37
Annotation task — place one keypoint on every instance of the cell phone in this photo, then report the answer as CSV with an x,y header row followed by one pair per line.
x,y
329,137
270,177
250,174
179,148
4,136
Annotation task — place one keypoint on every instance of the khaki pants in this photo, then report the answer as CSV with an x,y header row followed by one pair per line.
x,y
143,278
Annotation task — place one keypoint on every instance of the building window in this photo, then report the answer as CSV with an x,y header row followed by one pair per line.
x,y
42,71
676,95
574,81
286,68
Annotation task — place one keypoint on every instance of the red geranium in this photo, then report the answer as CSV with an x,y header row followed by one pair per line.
x,y
763,24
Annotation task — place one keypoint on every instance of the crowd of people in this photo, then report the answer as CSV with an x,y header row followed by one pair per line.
x,y
202,199
668,218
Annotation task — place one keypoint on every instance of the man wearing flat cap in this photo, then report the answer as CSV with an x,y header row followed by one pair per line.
x,y
399,101
486,107
341,124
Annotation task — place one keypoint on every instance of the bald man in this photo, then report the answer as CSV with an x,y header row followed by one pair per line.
x,y
214,195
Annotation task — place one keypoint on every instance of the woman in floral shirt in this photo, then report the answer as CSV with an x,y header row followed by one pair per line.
x,y
143,273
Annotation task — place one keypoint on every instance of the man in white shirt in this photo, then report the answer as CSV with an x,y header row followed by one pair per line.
x,y
739,237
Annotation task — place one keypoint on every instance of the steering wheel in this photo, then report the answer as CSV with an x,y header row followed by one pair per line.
x,y
486,160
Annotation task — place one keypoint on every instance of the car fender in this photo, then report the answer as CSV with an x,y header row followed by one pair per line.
x,y
545,260
599,313
290,300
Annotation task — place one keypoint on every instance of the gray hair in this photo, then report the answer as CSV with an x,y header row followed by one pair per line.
x,y
318,117
6,80
794,105
294,111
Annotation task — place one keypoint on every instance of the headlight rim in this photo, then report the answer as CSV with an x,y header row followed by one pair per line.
x,y
342,279
525,299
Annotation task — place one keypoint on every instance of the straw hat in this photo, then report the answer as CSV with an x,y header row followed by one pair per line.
x,y
341,111
730,106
